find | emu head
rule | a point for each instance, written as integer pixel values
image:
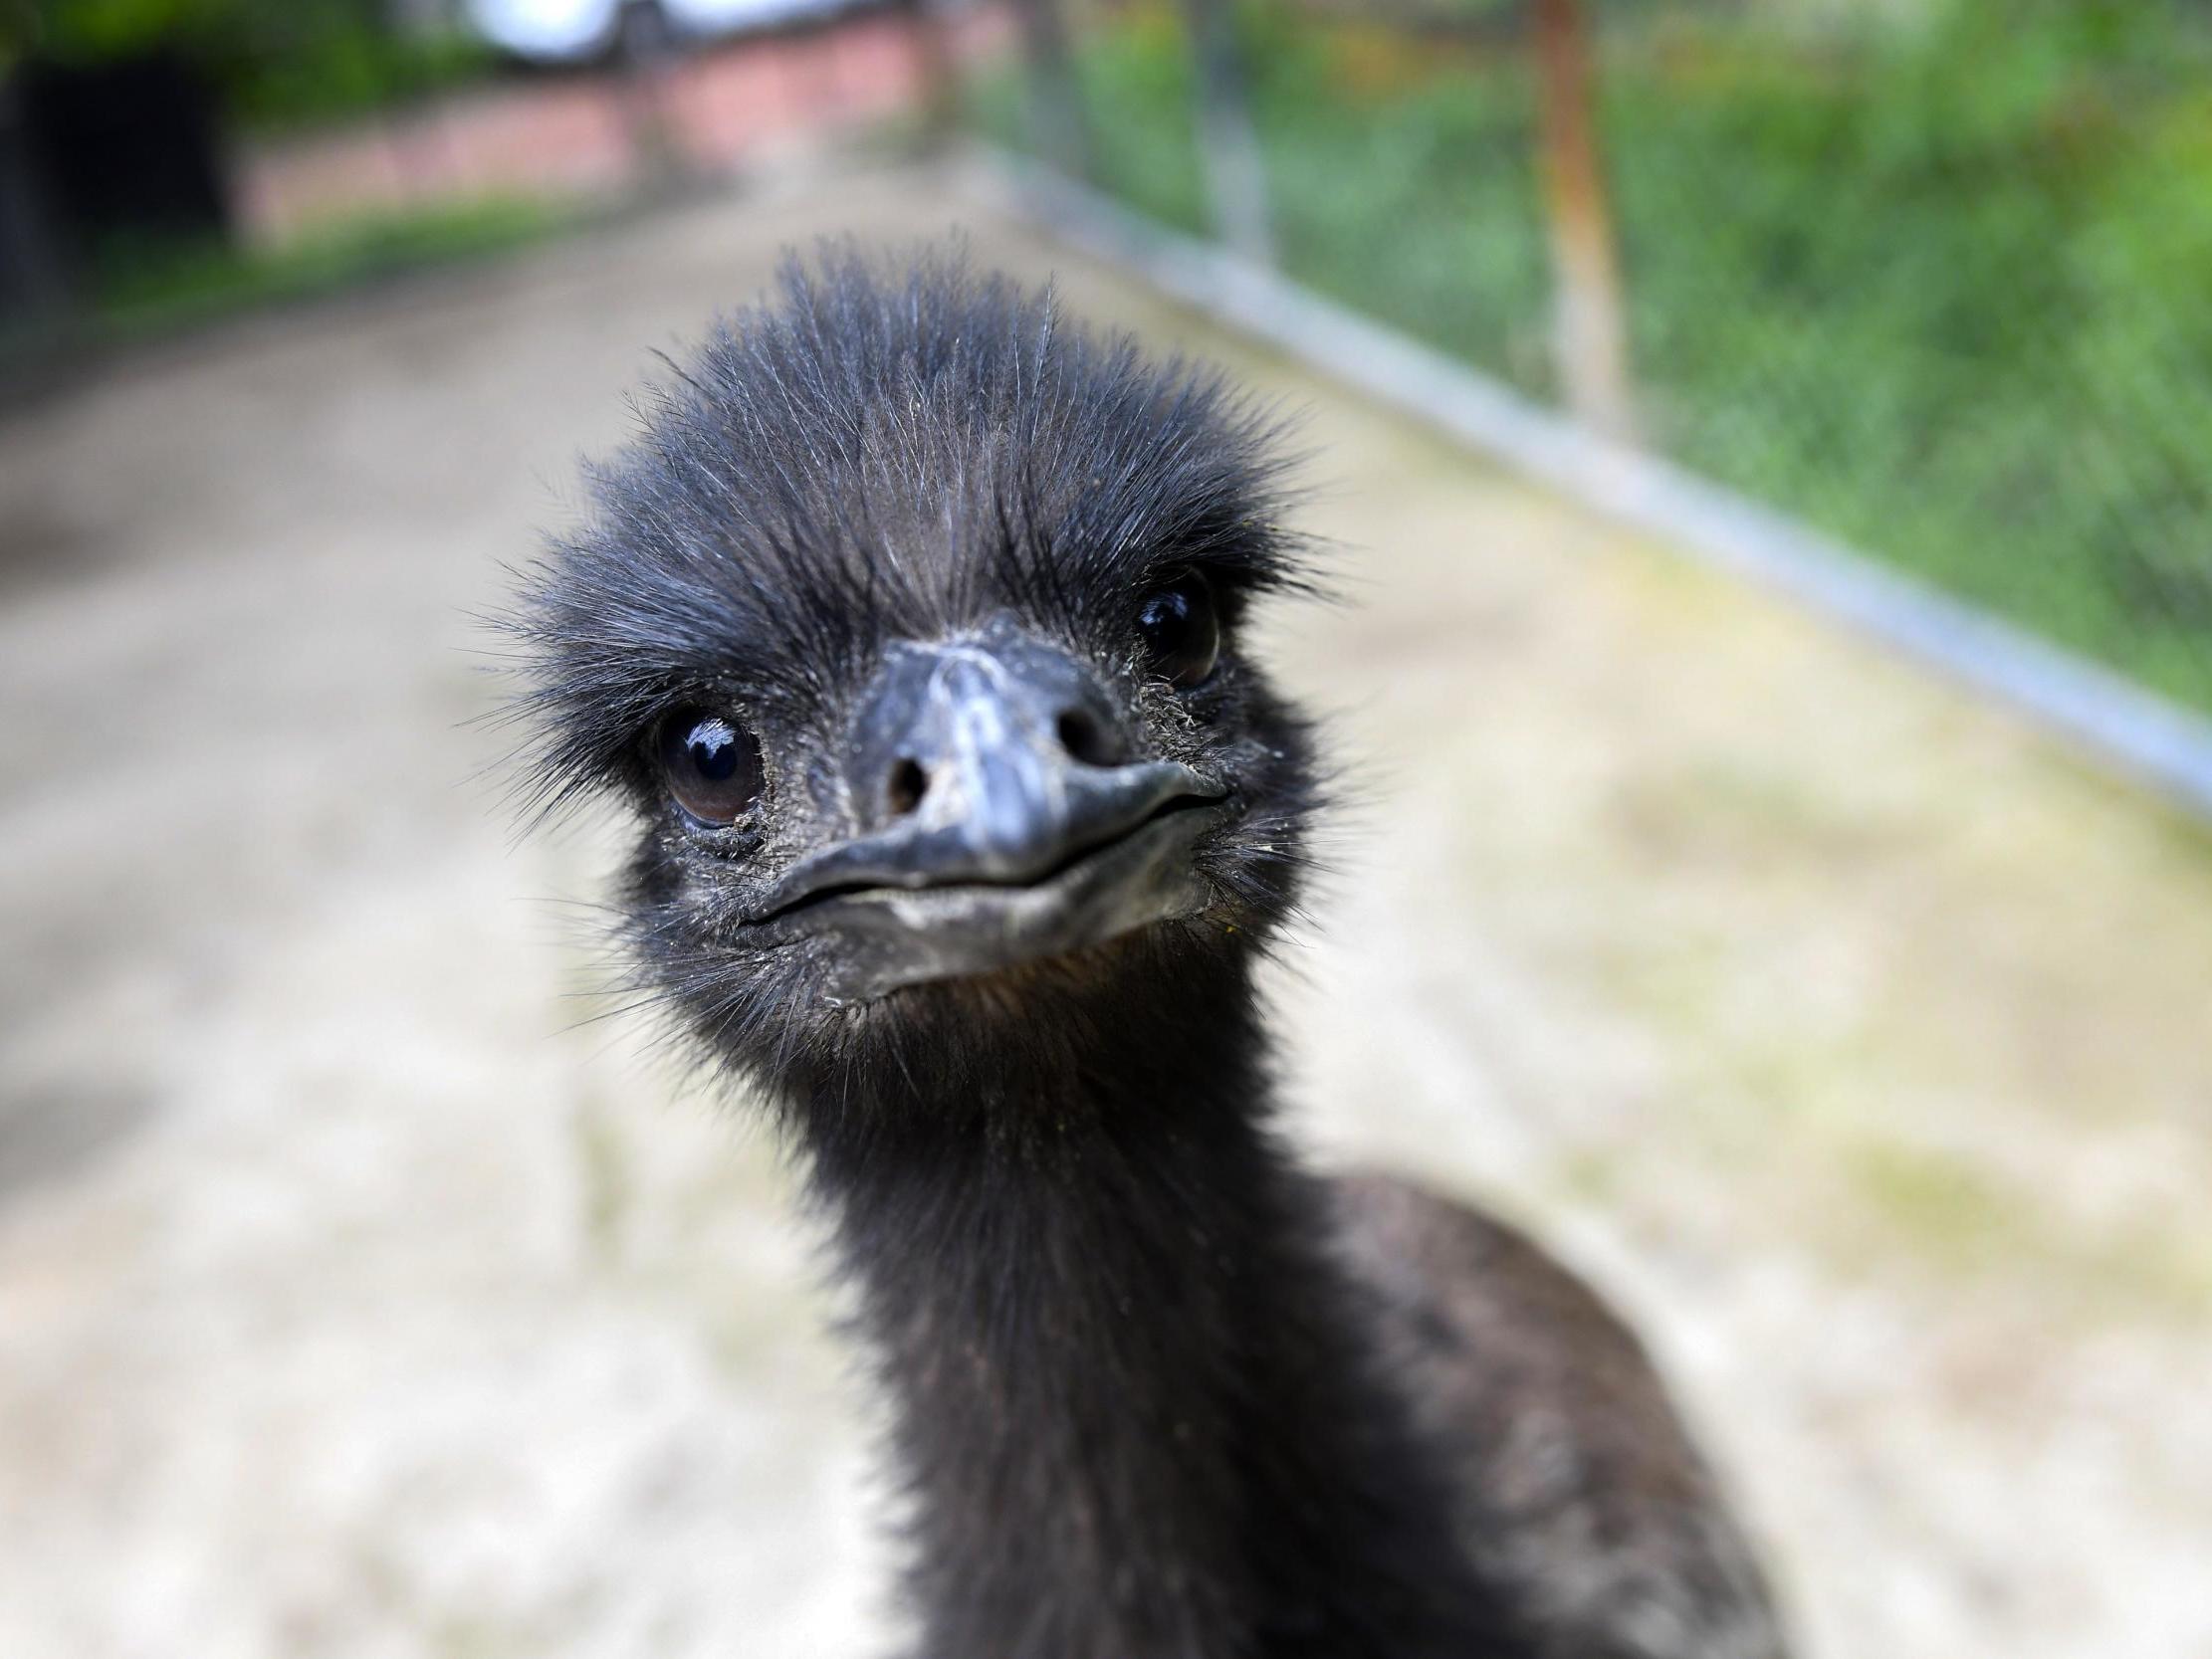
(911, 627)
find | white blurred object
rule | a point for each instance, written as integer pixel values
(568, 31)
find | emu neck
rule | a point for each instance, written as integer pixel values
(1133, 1412)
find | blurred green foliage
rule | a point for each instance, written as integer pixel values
(275, 62)
(1933, 277)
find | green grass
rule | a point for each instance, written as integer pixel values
(152, 289)
(144, 289)
(1944, 291)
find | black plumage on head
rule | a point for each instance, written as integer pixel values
(884, 452)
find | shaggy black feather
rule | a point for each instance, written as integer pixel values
(1132, 1408)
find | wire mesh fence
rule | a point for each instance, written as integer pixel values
(1932, 276)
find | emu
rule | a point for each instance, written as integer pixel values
(911, 627)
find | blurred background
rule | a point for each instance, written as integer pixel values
(364, 1291)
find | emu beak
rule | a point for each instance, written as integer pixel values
(1003, 819)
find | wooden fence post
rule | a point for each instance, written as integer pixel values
(1056, 120)
(1592, 339)
(643, 69)
(1228, 143)
(936, 74)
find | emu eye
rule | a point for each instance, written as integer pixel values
(1181, 629)
(713, 765)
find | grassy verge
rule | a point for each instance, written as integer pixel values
(144, 291)
(1938, 289)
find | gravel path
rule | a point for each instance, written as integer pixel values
(360, 1296)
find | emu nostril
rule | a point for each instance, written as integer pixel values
(1084, 738)
(909, 783)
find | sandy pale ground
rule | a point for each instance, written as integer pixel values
(357, 1300)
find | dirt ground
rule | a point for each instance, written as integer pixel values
(359, 1296)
